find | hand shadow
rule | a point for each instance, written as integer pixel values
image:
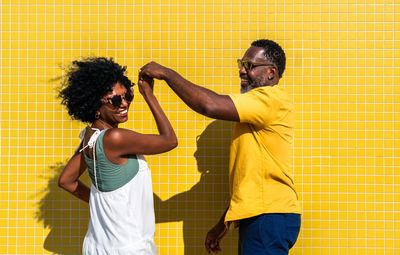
(65, 216)
(201, 207)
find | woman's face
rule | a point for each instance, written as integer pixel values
(113, 112)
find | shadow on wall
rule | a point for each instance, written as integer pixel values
(65, 216)
(201, 207)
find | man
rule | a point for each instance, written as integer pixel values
(264, 202)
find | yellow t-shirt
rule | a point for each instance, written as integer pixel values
(260, 155)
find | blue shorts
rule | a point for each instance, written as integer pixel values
(267, 234)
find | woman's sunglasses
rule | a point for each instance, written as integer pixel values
(116, 100)
(250, 65)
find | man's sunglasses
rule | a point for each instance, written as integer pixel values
(116, 100)
(250, 65)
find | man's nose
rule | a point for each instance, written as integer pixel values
(242, 70)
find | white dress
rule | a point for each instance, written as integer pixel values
(122, 221)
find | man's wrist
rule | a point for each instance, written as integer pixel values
(169, 75)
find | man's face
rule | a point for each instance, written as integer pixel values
(257, 76)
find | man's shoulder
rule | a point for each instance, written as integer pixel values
(271, 92)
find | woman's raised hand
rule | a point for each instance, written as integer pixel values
(145, 84)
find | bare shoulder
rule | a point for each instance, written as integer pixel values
(115, 136)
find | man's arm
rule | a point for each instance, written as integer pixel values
(215, 235)
(199, 99)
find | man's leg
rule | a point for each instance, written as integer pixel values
(268, 234)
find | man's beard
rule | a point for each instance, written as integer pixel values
(258, 82)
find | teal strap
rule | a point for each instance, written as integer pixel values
(106, 175)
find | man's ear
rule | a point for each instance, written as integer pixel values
(272, 72)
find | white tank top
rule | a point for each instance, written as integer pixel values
(122, 221)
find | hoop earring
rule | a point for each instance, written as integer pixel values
(97, 115)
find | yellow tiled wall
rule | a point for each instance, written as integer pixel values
(343, 72)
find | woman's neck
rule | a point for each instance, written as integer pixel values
(101, 124)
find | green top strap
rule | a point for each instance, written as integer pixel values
(110, 176)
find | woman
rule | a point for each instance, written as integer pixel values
(97, 91)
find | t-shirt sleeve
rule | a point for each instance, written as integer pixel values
(257, 107)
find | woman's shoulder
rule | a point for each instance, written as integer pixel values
(117, 135)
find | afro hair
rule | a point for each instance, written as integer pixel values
(86, 82)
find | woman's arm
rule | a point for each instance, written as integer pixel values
(118, 142)
(69, 178)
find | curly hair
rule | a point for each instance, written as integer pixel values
(86, 82)
(273, 52)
